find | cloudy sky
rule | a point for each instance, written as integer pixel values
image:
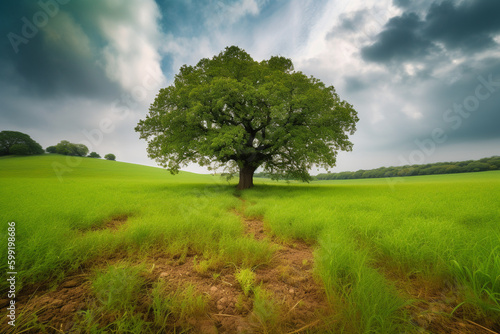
(424, 75)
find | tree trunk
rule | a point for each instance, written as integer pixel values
(246, 177)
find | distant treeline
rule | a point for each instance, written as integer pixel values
(18, 143)
(485, 164)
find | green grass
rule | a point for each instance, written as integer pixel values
(178, 307)
(54, 218)
(118, 287)
(246, 279)
(442, 228)
(436, 227)
(266, 311)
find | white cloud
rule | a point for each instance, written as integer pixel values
(133, 41)
(229, 14)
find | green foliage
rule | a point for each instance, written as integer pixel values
(238, 113)
(481, 165)
(19, 149)
(51, 149)
(110, 156)
(18, 143)
(94, 155)
(246, 279)
(66, 148)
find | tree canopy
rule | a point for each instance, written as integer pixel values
(51, 149)
(64, 147)
(94, 155)
(18, 143)
(235, 112)
(110, 156)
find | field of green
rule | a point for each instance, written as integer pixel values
(373, 239)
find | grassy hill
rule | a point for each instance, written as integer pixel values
(51, 165)
(414, 254)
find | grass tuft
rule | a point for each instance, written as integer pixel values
(246, 279)
(118, 287)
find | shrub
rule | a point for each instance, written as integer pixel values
(67, 148)
(94, 155)
(110, 156)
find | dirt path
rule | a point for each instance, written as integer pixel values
(289, 277)
(299, 302)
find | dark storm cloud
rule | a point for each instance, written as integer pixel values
(469, 108)
(465, 111)
(47, 51)
(468, 27)
(402, 3)
(401, 39)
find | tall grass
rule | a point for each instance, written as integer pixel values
(436, 227)
(55, 220)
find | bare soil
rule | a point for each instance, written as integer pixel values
(113, 224)
(289, 277)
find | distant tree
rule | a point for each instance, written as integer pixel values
(21, 142)
(242, 114)
(81, 150)
(19, 149)
(450, 169)
(51, 149)
(495, 161)
(110, 156)
(358, 174)
(485, 164)
(94, 155)
(66, 148)
(477, 166)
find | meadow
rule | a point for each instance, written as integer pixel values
(408, 255)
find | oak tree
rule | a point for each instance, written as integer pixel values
(18, 143)
(242, 114)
